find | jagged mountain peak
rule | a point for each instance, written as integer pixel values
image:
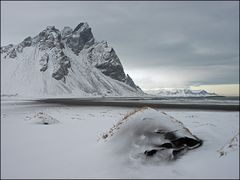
(66, 31)
(66, 61)
(50, 28)
(79, 38)
(83, 26)
(48, 31)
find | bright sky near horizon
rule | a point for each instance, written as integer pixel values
(160, 44)
(221, 89)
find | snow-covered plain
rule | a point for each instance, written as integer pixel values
(57, 141)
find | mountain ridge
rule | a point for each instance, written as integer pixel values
(180, 92)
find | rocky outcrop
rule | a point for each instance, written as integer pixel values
(25, 43)
(130, 82)
(48, 39)
(13, 53)
(6, 49)
(66, 32)
(9, 50)
(43, 62)
(61, 69)
(105, 59)
(81, 37)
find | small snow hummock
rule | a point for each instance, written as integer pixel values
(43, 118)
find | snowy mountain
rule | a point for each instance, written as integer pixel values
(66, 62)
(180, 92)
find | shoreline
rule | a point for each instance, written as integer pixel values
(134, 103)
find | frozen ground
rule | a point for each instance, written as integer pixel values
(57, 141)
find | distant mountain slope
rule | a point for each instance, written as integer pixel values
(180, 92)
(67, 62)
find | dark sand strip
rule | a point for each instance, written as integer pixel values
(132, 103)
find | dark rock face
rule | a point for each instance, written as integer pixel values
(44, 62)
(9, 50)
(80, 38)
(78, 27)
(48, 38)
(151, 152)
(66, 32)
(111, 66)
(51, 38)
(130, 82)
(25, 43)
(175, 145)
(62, 68)
(13, 53)
(106, 60)
(6, 49)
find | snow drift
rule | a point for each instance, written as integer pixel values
(147, 135)
(44, 118)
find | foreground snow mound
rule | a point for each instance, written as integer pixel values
(43, 118)
(147, 135)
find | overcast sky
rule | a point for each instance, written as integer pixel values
(160, 44)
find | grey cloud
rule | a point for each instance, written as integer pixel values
(186, 36)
